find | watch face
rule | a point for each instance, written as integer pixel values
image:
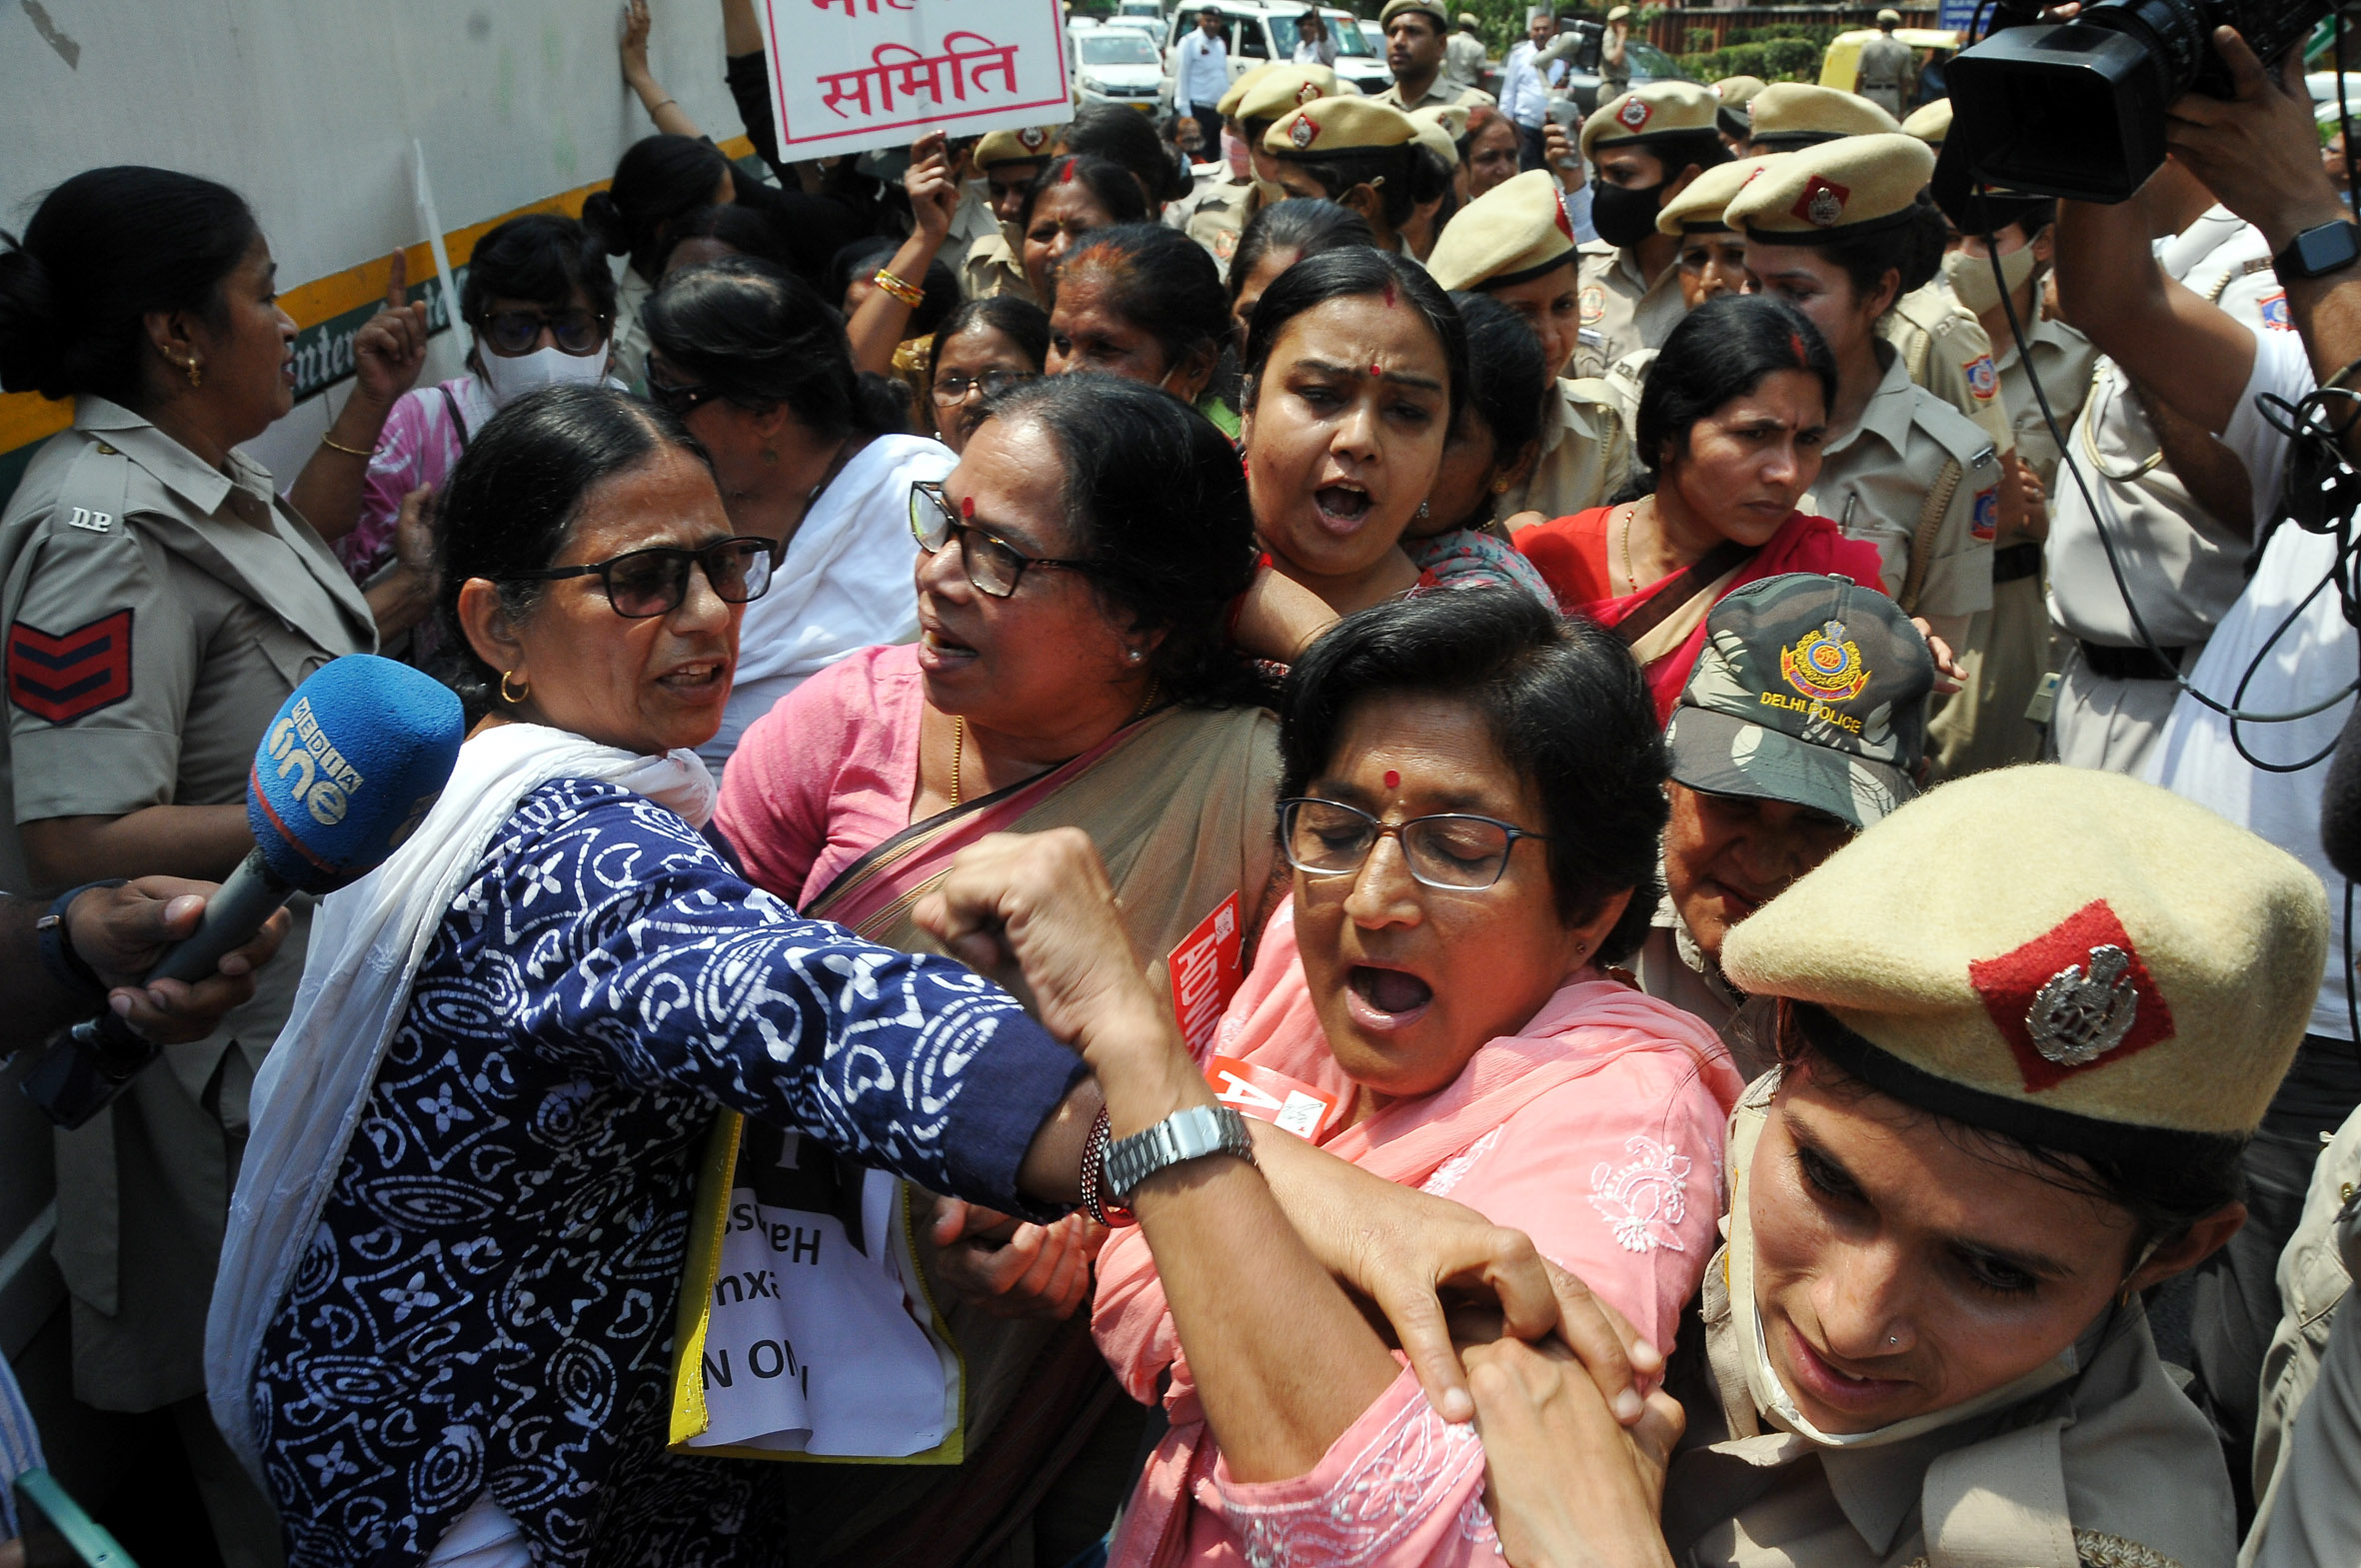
(2329, 247)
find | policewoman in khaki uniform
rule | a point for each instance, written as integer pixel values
(1840, 231)
(1361, 153)
(1516, 243)
(1010, 162)
(1645, 147)
(1711, 262)
(160, 603)
(1254, 102)
(2026, 1022)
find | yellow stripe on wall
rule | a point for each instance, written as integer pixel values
(27, 416)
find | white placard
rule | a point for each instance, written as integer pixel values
(851, 75)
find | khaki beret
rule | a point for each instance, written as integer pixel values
(1788, 115)
(1622, 13)
(1469, 21)
(1029, 145)
(1700, 208)
(1235, 94)
(1514, 230)
(1833, 191)
(1930, 124)
(1330, 127)
(1280, 90)
(1434, 8)
(2066, 955)
(1890, 14)
(1645, 113)
(1736, 92)
(1435, 133)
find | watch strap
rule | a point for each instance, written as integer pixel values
(2320, 250)
(66, 969)
(1195, 1133)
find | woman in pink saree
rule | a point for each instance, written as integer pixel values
(1431, 1006)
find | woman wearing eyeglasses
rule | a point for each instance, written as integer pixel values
(1073, 671)
(808, 454)
(1472, 794)
(982, 348)
(540, 301)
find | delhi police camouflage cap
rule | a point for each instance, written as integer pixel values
(2072, 958)
(1811, 689)
(1789, 115)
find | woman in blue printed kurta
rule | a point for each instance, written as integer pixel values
(470, 1336)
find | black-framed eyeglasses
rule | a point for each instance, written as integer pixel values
(644, 583)
(574, 330)
(1457, 851)
(951, 391)
(993, 566)
(677, 398)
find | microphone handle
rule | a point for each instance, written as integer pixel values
(79, 1074)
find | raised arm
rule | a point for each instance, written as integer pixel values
(877, 328)
(388, 353)
(2195, 355)
(662, 106)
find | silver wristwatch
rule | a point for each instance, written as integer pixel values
(1182, 1136)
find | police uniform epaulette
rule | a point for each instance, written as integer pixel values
(94, 497)
(1960, 436)
(1594, 248)
(1593, 400)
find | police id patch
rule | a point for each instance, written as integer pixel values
(1594, 299)
(66, 676)
(2275, 311)
(1982, 379)
(1985, 521)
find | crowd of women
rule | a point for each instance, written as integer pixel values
(1257, 926)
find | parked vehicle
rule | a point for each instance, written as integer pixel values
(1841, 67)
(1256, 34)
(1649, 64)
(1151, 28)
(1115, 65)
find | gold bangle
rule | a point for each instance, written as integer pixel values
(334, 445)
(908, 293)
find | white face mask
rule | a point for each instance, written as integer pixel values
(510, 379)
(1970, 277)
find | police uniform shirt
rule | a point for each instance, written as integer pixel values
(1443, 92)
(993, 266)
(630, 342)
(1948, 352)
(1626, 310)
(2110, 1465)
(1672, 968)
(1884, 72)
(1219, 217)
(1586, 454)
(158, 611)
(1626, 379)
(972, 218)
(1919, 480)
(2064, 360)
(1463, 59)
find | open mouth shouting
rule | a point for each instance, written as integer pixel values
(1343, 506)
(1383, 999)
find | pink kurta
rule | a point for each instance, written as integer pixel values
(1598, 1132)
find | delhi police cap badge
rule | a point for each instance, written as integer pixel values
(1822, 201)
(1303, 132)
(1822, 664)
(2082, 1013)
(1635, 113)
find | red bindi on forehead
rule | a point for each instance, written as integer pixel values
(1392, 779)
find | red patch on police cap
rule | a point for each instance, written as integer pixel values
(1307, 93)
(65, 676)
(1822, 201)
(1635, 113)
(1304, 131)
(1033, 138)
(2072, 1000)
(1566, 225)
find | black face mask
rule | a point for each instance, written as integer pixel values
(1624, 215)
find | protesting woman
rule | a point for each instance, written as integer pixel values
(1729, 433)
(2010, 1106)
(984, 348)
(1073, 671)
(1474, 792)
(809, 457)
(1143, 302)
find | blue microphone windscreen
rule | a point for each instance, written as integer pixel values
(351, 764)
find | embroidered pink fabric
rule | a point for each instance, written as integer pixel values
(1598, 1132)
(419, 445)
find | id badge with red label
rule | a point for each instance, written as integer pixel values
(1207, 971)
(1288, 1103)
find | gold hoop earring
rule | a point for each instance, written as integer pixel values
(196, 373)
(514, 698)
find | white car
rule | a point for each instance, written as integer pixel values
(1151, 28)
(1117, 65)
(1260, 33)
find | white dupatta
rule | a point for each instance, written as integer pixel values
(367, 944)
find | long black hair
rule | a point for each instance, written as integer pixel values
(1566, 707)
(1913, 248)
(543, 257)
(1306, 225)
(749, 231)
(759, 338)
(513, 494)
(1157, 504)
(1159, 280)
(1723, 350)
(1349, 274)
(1506, 374)
(103, 250)
(658, 178)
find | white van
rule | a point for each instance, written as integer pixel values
(1117, 65)
(1256, 34)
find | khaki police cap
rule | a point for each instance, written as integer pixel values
(1622, 13)
(1331, 127)
(1930, 124)
(1239, 85)
(1698, 209)
(1469, 21)
(1029, 145)
(1736, 92)
(1646, 113)
(1281, 90)
(1434, 8)
(1833, 191)
(2066, 955)
(1436, 132)
(1514, 230)
(1788, 115)
(1890, 14)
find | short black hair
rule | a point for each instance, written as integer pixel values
(1913, 248)
(658, 178)
(1012, 315)
(750, 231)
(1304, 224)
(543, 257)
(1566, 707)
(1161, 281)
(1125, 136)
(1723, 350)
(1115, 185)
(761, 336)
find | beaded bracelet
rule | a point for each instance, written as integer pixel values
(909, 294)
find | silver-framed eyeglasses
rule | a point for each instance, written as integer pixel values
(1457, 851)
(993, 566)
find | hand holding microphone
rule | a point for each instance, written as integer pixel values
(347, 768)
